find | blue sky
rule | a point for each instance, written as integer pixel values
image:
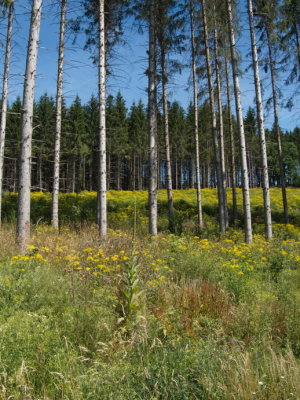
(128, 66)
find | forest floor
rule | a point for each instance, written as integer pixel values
(177, 317)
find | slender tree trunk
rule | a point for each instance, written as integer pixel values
(15, 176)
(23, 222)
(196, 117)
(176, 173)
(73, 175)
(118, 174)
(59, 90)
(239, 111)
(167, 141)
(102, 201)
(181, 174)
(277, 128)
(232, 146)
(193, 171)
(221, 129)
(139, 173)
(222, 218)
(152, 123)
(4, 98)
(90, 175)
(40, 172)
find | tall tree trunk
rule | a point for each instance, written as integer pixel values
(176, 173)
(239, 112)
(167, 141)
(118, 173)
(139, 174)
(23, 222)
(40, 172)
(152, 123)
(276, 127)
(73, 174)
(222, 218)
(232, 146)
(181, 174)
(90, 175)
(196, 117)
(4, 98)
(102, 201)
(221, 128)
(59, 90)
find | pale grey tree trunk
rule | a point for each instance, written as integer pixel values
(23, 220)
(196, 118)
(277, 127)
(59, 94)
(239, 112)
(152, 123)
(102, 201)
(4, 98)
(167, 140)
(222, 219)
(232, 146)
(40, 172)
(261, 127)
(221, 128)
(73, 175)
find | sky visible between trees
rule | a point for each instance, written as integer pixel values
(128, 65)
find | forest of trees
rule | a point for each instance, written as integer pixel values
(50, 146)
(127, 143)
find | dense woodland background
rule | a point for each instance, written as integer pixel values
(127, 143)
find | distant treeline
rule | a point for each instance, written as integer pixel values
(127, 147)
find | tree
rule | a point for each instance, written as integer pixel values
(220, 185)
(232, 143)
(261, 127)
(267, 11)
(43, 142)
(196, 120)
(5, 95)
(59, 89)
(239, 112)
(23, 222)
(167, 37)
(152, 121)
(137, 131)
(102, 202)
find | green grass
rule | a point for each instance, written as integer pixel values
(172, 318)
(177, 317)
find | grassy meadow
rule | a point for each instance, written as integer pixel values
(178, 317)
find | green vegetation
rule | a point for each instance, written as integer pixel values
(81, 207)
(170, 318)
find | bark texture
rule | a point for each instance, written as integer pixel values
(23, 222)
(222, 219)
(59, 92)
(102, 201)
(239, 112)
(261, 127)
(232, 146)
(167, 142)
(152, 110)
(196, 118)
